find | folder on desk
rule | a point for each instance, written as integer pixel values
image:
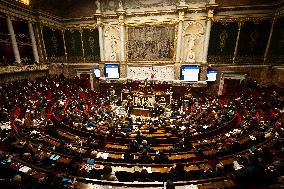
(102, 155)
(24, 169)
(54, 157)
(90, 161)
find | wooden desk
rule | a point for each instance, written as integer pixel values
(141, 112)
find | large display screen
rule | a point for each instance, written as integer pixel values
(97, 72)
(189, 73)
(111, 71)
(211, 75)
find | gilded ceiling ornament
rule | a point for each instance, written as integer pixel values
(223, 38)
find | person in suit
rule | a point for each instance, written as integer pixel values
(161, 157)
(144, 176)
(145, 158)
(107, 174)
(177, 173)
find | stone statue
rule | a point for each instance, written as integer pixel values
(98, 4)
(120, 5)
(190, 55)
(182, 3)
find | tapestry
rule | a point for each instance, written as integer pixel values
(6, 52)
(73, 46)
(91, 45)
(150, 43)
(24, 42)
(253, 41)
(276, 50)
(54, 44)
(222, 42)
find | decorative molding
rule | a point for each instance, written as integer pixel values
(27, 68)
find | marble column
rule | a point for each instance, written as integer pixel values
(14, 41)
(101, 42)
(122, 42)
(179, 40)
(34, 46)
(206, 40)
(121, 21)
(39, 43)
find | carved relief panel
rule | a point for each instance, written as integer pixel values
(112, 43)
(151, 72)
(193, 37)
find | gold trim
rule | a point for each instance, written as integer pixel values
(82, 44)
(240, 19)
(237, 41)
(269, 41)
(65, 51)
(80, 25)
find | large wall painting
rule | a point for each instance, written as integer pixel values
(73, 46)
(151, 42)
(91, 44)
(54, 44)
(24, 42)
(276, 50)
(222, 43)
(6, 52)
(253, 41)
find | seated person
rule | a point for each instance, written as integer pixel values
(91, 123)
(177, 173)
(161, 157)
(145, 158)
(144, 176)
(128, 157)
(107, 174)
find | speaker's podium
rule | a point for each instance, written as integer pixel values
(141, 112)
(142, 104)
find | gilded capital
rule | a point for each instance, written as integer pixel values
(121, 19)
(210, 13)
(181, 16)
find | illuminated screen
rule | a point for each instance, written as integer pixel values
(189, 73)
(97, 72)
(211, 75)
(111, 71)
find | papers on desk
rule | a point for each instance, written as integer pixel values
(90, 161)
(237, 166)
(191, 186)
(149, 169)
(54, 157)
(102, 155)
(24, 169)
(5, 126)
